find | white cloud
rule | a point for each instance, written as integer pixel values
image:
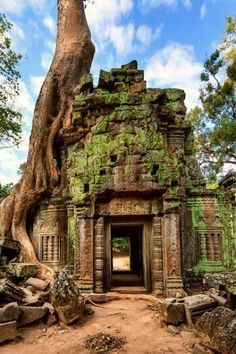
(12, 6)
(50, 24)
(203, 10)
(104, 19)
(46, 56)
(187, 3)
(122, 38)
(17, 7)
(36, 84)
(146, 35)
(176, 66)
(147, 5)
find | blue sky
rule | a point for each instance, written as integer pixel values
(169, 38)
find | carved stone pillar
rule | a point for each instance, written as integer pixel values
(157, 256)
(172, 248)
(99, 251)
(70, 236)
(84, 250)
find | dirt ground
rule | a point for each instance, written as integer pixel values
(132, 318)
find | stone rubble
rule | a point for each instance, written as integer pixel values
(66, 298)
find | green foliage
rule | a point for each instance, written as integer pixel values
(10, 120)
(5, 190)
(215, 121)
(121, 243)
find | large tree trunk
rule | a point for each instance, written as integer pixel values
(73, 57)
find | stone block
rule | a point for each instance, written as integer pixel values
(7, 331)
(219, 327)
(135, 87)
(200, 349)
(196, 305)
(171, 312)
(9, 249)
(66, 298)
(10, 292)
(30, 314)
(9, 312)
(38, 284)
(21, 270)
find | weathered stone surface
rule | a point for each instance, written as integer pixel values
(66, 298)
(30, 314)
(21, 270)
(221, 281)
(196, 305)
(220, 328)
(220, 299)
(9, 249)
(37, 299)
(9, 312)
(37, 283)
(200, 349)
(171, 312)
(7, 331)
(10, 292)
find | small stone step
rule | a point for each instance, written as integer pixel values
(7, 331)
(30, 314)
(38, 284)
(9, 312)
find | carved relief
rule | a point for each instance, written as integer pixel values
(50, 248)
(124, 206)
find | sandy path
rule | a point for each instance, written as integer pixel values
(130, 318)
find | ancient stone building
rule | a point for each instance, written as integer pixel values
(128, 171)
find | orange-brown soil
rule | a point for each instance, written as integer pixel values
(131, 318)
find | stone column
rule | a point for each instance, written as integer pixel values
(99, 251)
(84, 250)
(157, 256)
(172, 248)
(70, 236)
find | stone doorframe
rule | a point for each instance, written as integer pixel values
(146, 249)
(152, 251)
(163, 249)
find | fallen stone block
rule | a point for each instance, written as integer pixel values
(200, 349)
(220, 299)
(9, 312)
(7, 331)
(30, 314)
(38, 284)
(9, 249)
(171, 312)
(21, 270)
(219, 327)
(196, 305)
(66, 298)
(10, 292)
(37, 299)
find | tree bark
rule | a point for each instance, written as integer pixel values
(73, 57)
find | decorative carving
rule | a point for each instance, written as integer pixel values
(50, 248)
(125, 206)
(99, 250)
(157, 255)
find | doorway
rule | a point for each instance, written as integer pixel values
(128, 256)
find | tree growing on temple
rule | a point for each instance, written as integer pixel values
(215, 121)
(73, 57)
(10, 119)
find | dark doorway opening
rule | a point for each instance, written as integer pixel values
(127, 255)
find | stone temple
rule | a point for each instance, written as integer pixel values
(128, 170)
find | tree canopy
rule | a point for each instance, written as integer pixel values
(215, 120)
(10, 119)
